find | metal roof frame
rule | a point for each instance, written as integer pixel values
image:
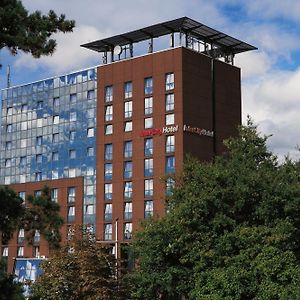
(190, 27)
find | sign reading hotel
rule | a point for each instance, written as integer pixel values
(159, 131)
(198, 130)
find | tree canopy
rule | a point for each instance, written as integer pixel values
(80, 270)
(30, 32)
(41, 214)
(232, 231)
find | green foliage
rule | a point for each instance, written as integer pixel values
(82, 270)
(30, 33)
(232, 231)
(9, 289)
(43, 215)
(11, 211)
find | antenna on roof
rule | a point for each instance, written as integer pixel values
(8, 76)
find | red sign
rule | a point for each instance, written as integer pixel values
(159, 131)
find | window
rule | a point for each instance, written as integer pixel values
(128, 149)
(108, 212)
(170, 143)
(22, 195)
(128, 109)
(9, 111)
(9, 128)
(39, 140)
(108, 152)
(107, 232)
(148, 192)
(73, 98)
(91, 113)
(148, 86)
(4, 251)
(148, 106)
(108, 171)
(72, 135)
(20, 251)
(39, 104)
(108, 191)
(8, 163)
(148, 209)
(108, 113)
(23, 125)
(24, 107)
(37, 193)
(170, 119)
(89, 209)
(54, 174)
(169, 81)
(38, 158)
(23, 160)
(108, 93)
(71, 214)
(55, 156)
(8, 145)
(38, 176)
(73, 116)
(39, 122)
(72, 153)
(91, 94)
(24, 143)
(148, 171)
(148, 147)
(128, 231)
(170, 184)
(108, 129)
(128, 211)
(36, 251)
(128, 190)
(37, 236)
(90, 132)
(55, 119)
(72, 172)
(128, 90)
(90, 151)
(55, 137)
(128, 126)
(148, 123)
(128, 169)
(170, 164)
(21, 236)
(54, 194)
(56, 102)
(71, 194)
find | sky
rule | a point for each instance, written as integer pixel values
(270, 75)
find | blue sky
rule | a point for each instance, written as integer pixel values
(270, 76)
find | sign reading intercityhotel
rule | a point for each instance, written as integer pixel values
(159, 131)
(198, 130)
(173, 129)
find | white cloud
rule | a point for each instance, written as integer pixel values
(68, 55)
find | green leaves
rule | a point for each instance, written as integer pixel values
(232, 231)
(31, 33)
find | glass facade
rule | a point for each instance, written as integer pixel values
(45, 125)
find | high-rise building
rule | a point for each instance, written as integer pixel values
(106, 139)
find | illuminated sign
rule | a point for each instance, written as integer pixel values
(159, 131)
(198, 130)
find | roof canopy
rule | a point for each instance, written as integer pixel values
(185, 25)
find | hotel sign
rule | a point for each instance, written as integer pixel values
(159, 131)
(198, 130)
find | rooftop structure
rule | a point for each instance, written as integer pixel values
(192, 34)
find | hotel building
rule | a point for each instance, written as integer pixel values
(105, 139)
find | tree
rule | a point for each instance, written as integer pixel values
(232, 231)
(30, 33)
(9, 289)
(80, 270)
(42, 214)
(11, 211)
